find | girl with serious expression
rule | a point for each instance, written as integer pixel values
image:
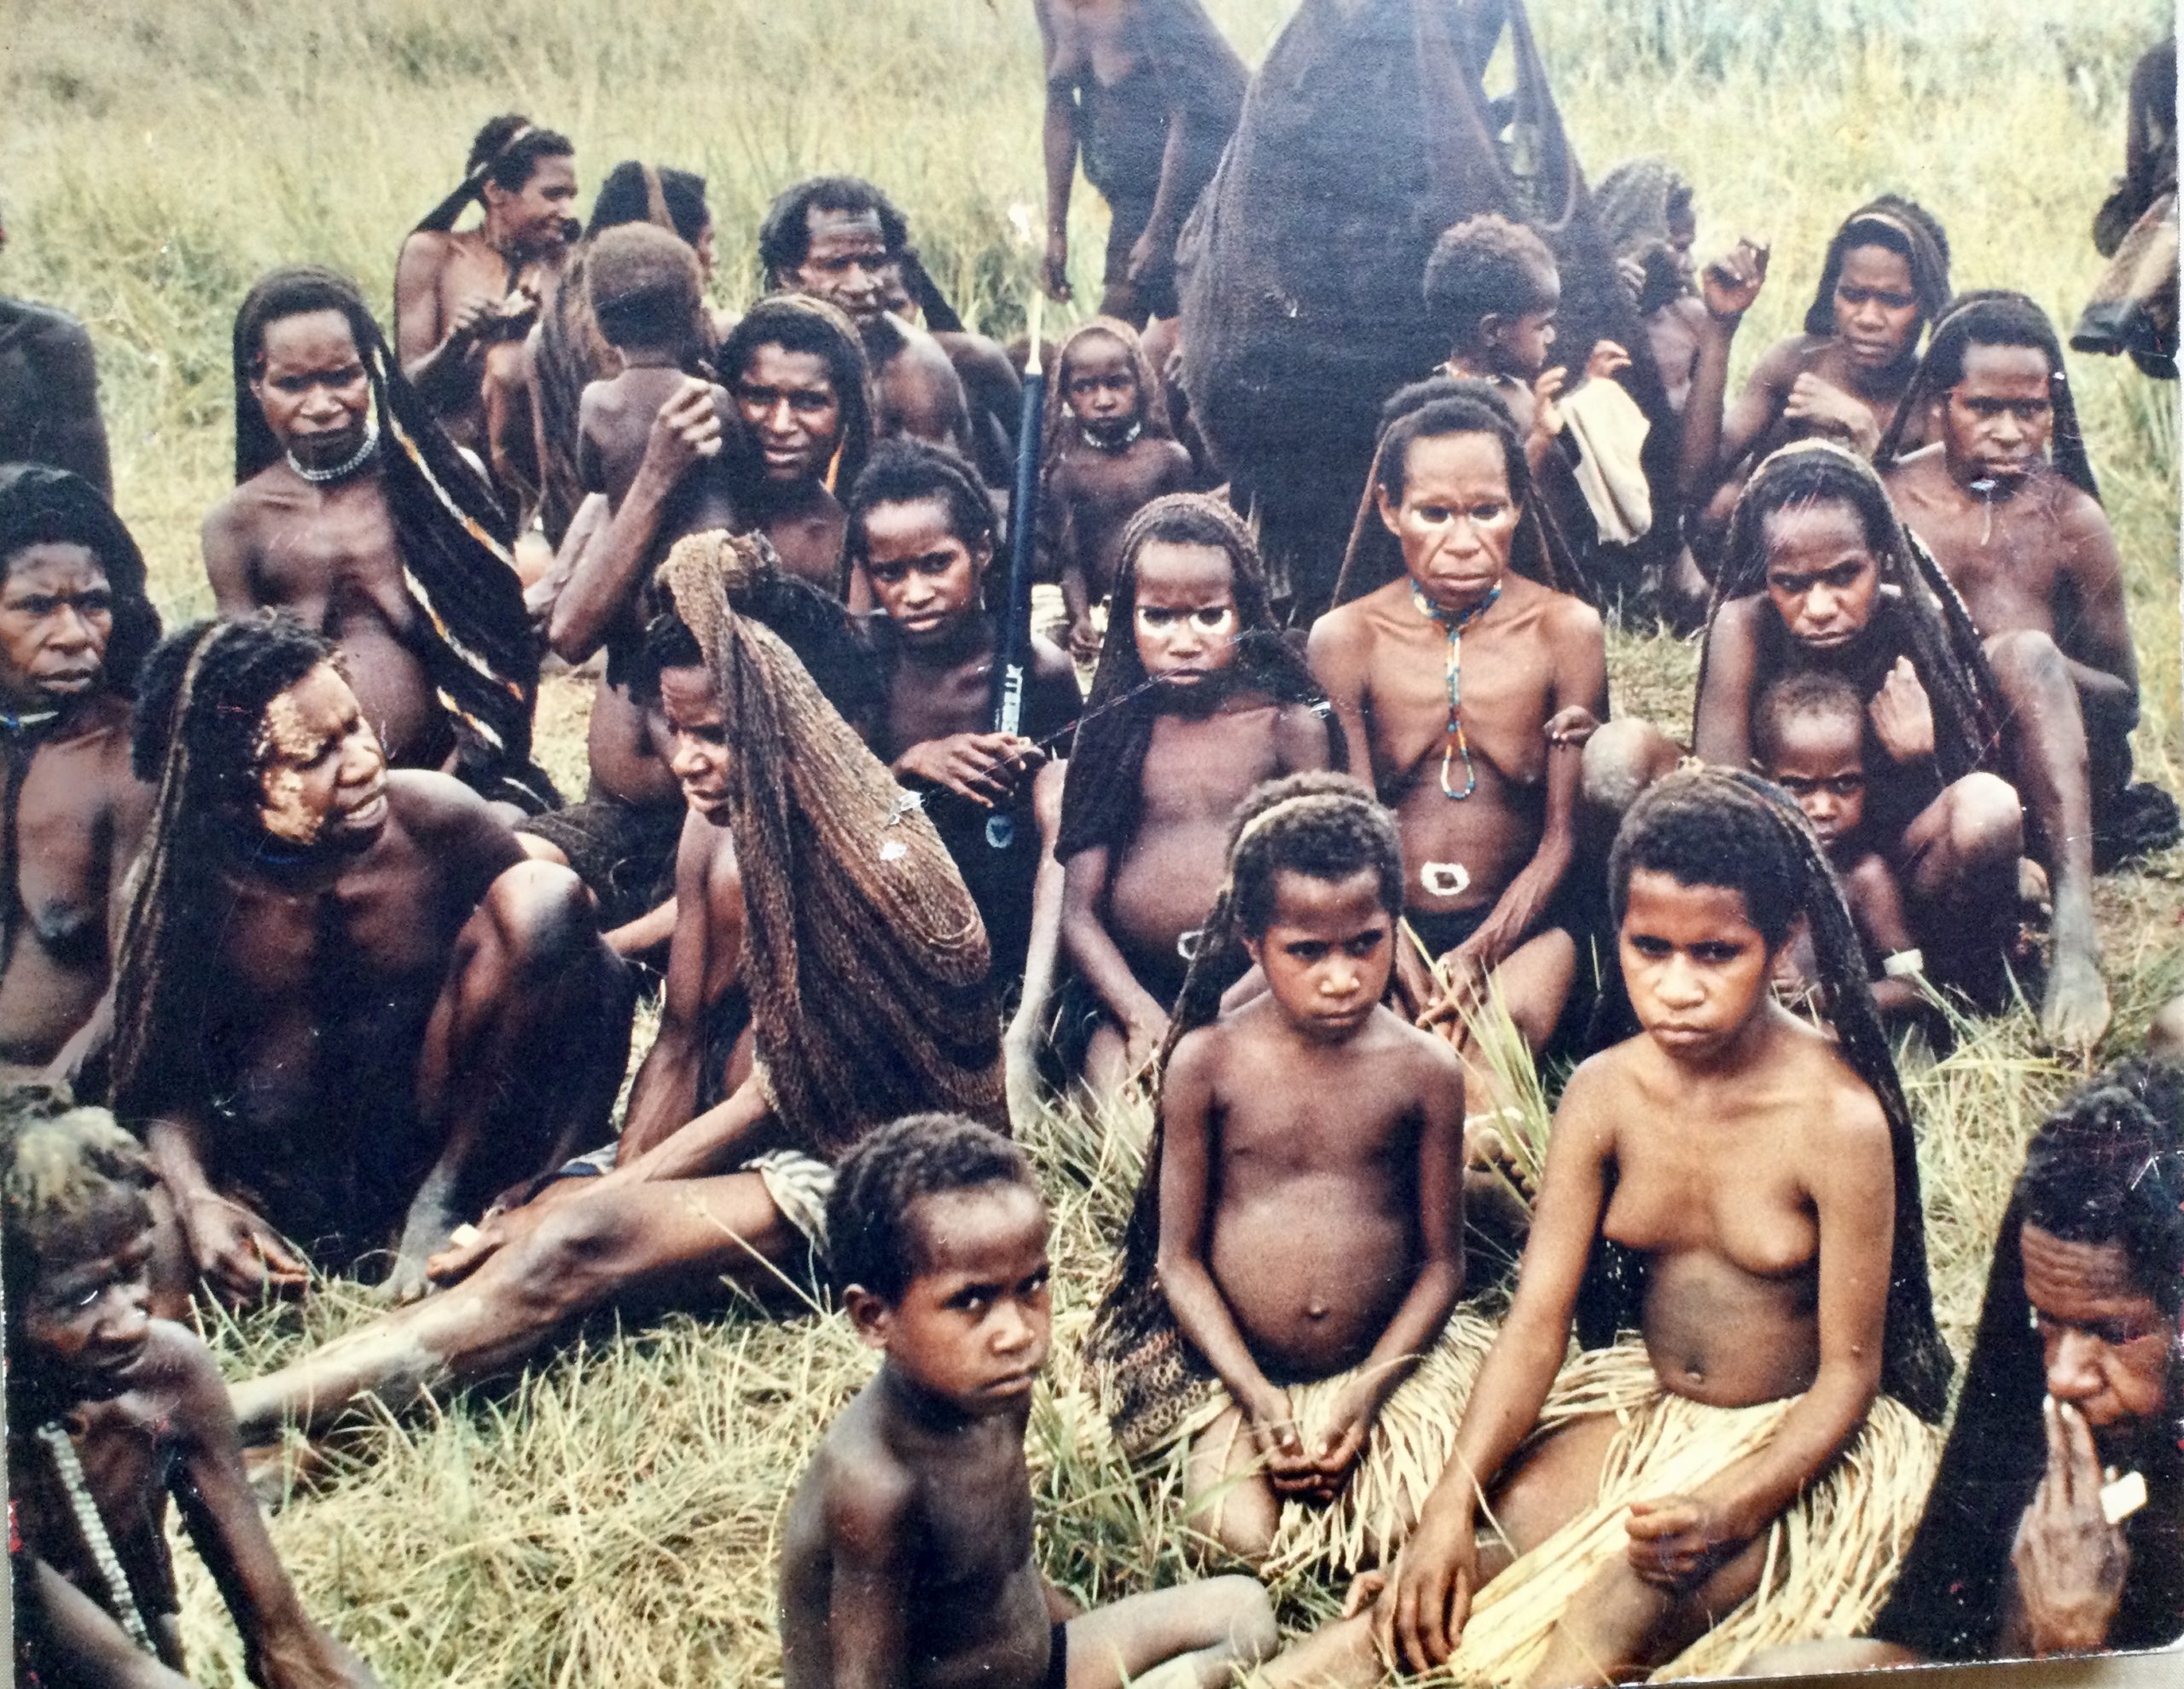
(924, 576)
(1695, 966)
(1185, 623)
(1822, 577)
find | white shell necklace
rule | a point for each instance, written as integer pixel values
(348, 465)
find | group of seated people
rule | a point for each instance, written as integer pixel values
(291, 898)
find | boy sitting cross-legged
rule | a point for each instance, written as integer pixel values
(908, 1555)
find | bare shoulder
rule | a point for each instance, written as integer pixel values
(179, 1371)
(1846, 1118)
(1569, 622)
(235, 518)
(867, 1496)
(2079, 516)
(1423, 1058)
(1738, 619)
(434, 808)
(1782, 363)
(1343, 633)
(1199, 1053)
(425, 250)
(1049, 662)
(1598, 1093)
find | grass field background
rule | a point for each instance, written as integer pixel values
(610, 1519)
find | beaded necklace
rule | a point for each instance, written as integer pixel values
(1454, 744)
(347, 467)
(121, 1600)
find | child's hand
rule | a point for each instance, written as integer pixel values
(1823, 405)
(1437, 1574)
(1673, 1539)
(1904, 715)
(1141, 1041)
(1570, 726)
(1730, 284)
(237, 1253)
(1547, 414)
(1348, 1425)
(1083, 641)
(1290, 1471)
(1608, 359)
(983, 766)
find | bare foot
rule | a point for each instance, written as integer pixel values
(2074, 1012)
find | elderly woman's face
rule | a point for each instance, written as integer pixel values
(2105, 1340)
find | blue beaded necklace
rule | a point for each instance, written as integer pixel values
(1454, 744)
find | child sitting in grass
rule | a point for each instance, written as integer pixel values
(907, 1559)
(1198, 698)
(110, 1412)
(1109, 452)
(1809, 737)
(1304, 1196)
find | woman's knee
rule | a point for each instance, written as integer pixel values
(2028, 664)
(1240, 1615)
(1986, 820)
(542, 917)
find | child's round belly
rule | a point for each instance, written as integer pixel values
(1311, 1282)
(1165, 885)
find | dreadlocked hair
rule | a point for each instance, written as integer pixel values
(61, 1168)
(1637, 201)
(867, 965)
(2105, 1167)
(872, 1226)
(1103, 793)
(1059, 425)
(1325, 826)
(201, 710)
(1729, 828)
(646, 293)
(1487, 266)
(1905, 228)
(1434, 409)
(455, 541)
(1924, 610)
(571, 353)
(1995, 316)
(506, 153)
(797, 323)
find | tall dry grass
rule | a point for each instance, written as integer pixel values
(610, 1517)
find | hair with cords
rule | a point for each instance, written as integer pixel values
(1995, 316)
(2105, 1167)
(1103, 793)
(1909, 230)
(62, 1168)
(1922, 609)
(1728, 828)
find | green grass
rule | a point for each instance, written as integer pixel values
(610, 1518)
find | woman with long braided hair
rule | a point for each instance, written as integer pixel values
(1970, 764)
(1743, 1466)
(1465, 682)
(1199, 696)
(2006, 499)
(866, 969)
(348, 1010)
(2056, 1521)
(407, 566)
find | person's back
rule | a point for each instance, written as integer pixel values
(615, 421)
(49, 393)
